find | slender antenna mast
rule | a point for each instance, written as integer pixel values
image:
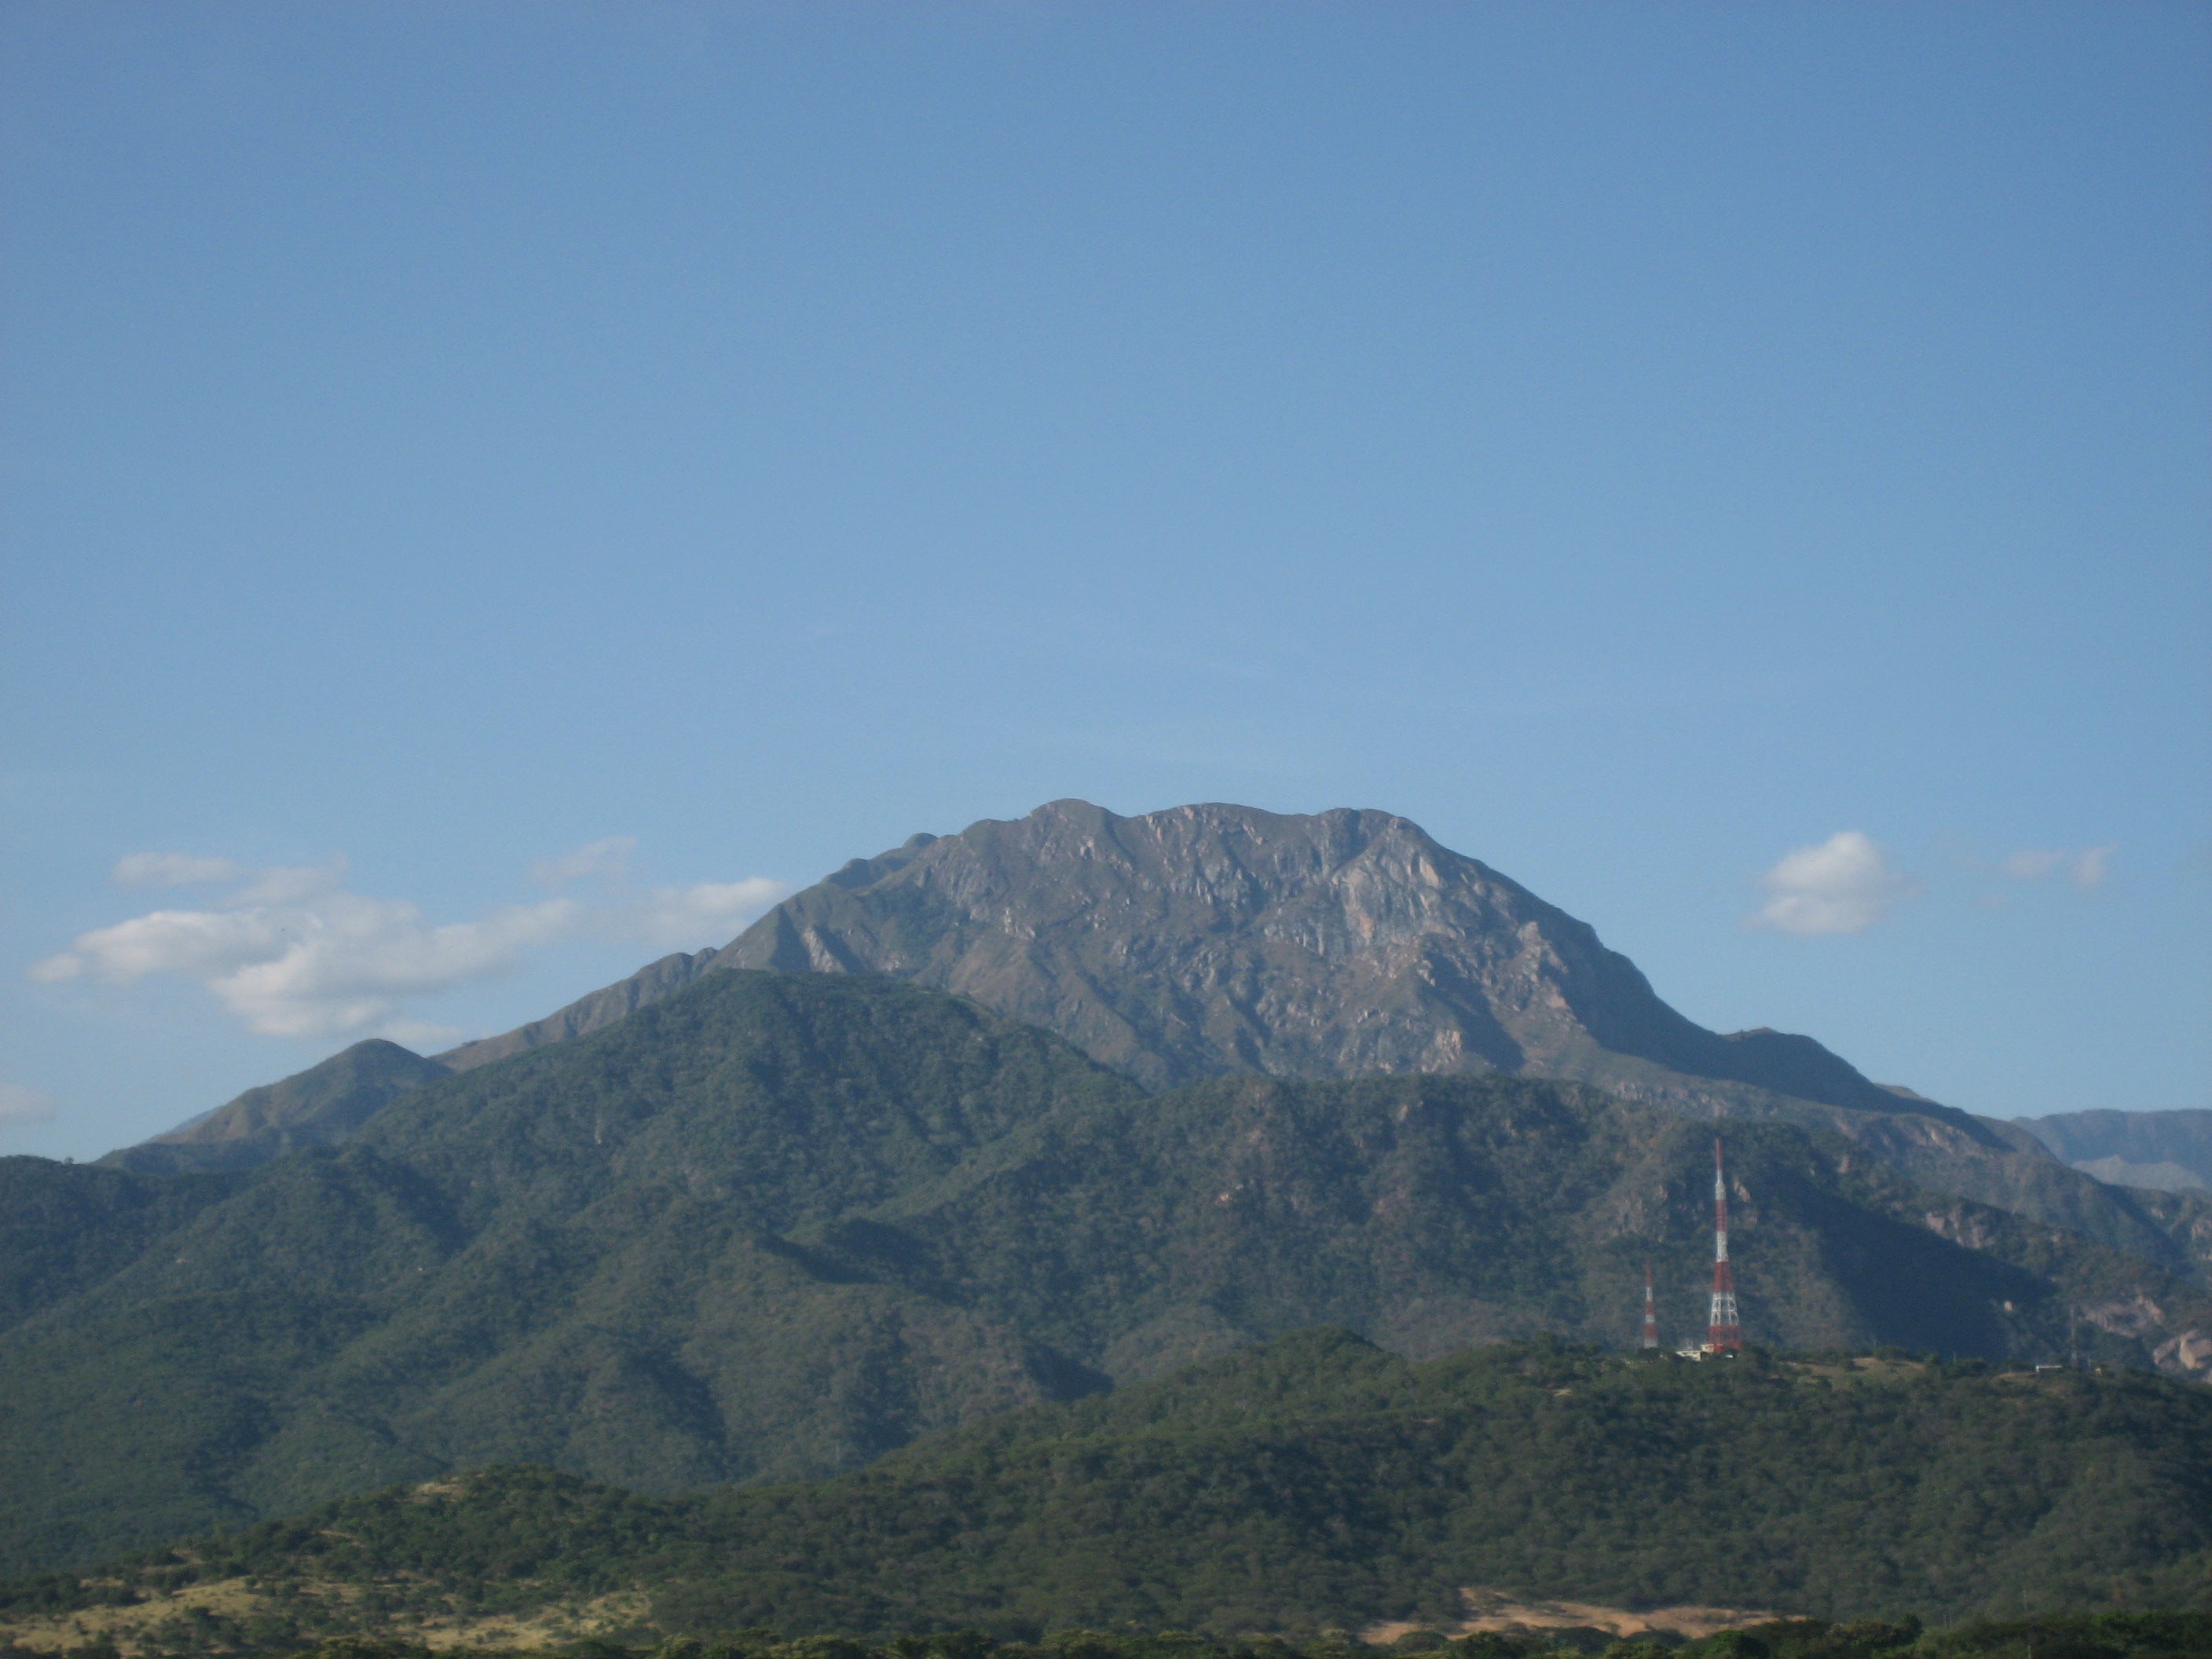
(1722, 1333)
(1650, 1310)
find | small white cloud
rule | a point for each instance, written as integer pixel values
(170, 869)
(294, 952)
(707, 913)
(22, 1105)
(194, 943)
(604, 860)
(2088, 868)
(2030, 863)
(311, 961)
(1845, 885)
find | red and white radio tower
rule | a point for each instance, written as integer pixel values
(1650, 1312)
(1722, 1333)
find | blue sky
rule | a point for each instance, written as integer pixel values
(1741, 470)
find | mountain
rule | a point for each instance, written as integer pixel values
(1313, 1482)
(313, 1107)
(778, 1225)
(1214, 940)
(2170, 1151)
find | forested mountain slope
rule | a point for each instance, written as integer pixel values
(779, 1225)
(1313, 1482)
(581, 1257)
(65, 1227)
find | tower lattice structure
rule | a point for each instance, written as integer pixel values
(1723, 1333)
(1650, 1309)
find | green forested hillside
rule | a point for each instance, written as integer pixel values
(579, 1257)
(65, 1228)
(1311, 1483)
(777, 1225)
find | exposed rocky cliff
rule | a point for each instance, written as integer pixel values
(1204, 941)
(1209, 940)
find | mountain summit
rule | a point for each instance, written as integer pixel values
(1209, 940)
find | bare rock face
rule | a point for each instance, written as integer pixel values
(1207, 940)
(2188, 1354)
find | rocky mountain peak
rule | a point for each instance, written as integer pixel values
(1214, 939)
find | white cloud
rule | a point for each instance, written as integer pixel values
(198, 944)
(22, 1105)
(170, 869)
(296, 958)
(2085, 867)
(1845, 885)
(606, 860)
(349, 961)
(708, 913)
(294, 952)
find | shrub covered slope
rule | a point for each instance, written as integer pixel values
(777, 1225)
(1318, 1482)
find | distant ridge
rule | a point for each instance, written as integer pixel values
(2171, 1151)
(314, 1108)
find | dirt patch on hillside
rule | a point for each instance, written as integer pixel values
(1496, 1610)
(542, 1627)
(128, 1625)
(134, 1627)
